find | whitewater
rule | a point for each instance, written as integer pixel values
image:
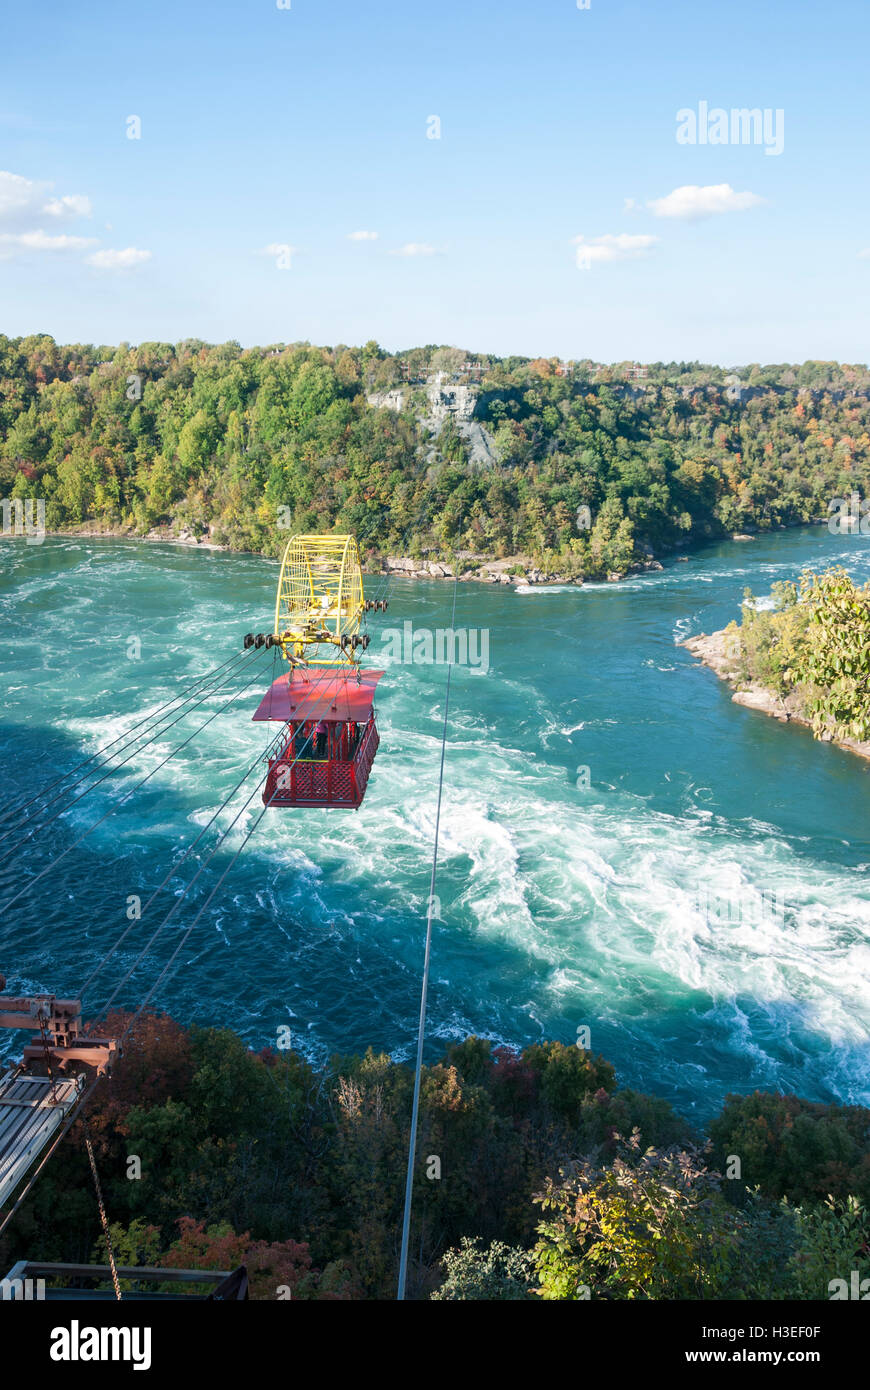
(622, 848)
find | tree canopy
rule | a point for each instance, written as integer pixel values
(593, 470)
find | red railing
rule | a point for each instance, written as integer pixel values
(322, 782)
(365, 756)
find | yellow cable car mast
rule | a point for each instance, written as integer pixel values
(321, 601)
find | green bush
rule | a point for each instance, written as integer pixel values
(834, 1244)
(799, 1149)
(814, 646)
(495, 1272)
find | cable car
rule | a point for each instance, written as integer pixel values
(325, 700)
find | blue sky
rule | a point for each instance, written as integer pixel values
(267, 128)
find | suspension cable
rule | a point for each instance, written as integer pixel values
(174, 868)
(387, 586)
(421, 1029)
(34, 825)
(162, 763)
(149, 996)
(104, 1220)
(16, 807)
(177, 904)
(147, 947)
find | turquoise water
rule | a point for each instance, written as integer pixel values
(561, 905)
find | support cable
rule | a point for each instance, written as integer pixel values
(386, 586)
(34, 825)
(17, 807)
(421, 1030)
(174, 869)
(104, 1221)
(178, 863)
(204, 865)
(164, 972)
(162, 763)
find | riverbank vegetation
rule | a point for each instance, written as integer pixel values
(538, 1177)
(813, 650)
(590, 469)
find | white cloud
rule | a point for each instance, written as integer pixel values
(21, 200)
(70, 205)
(24, 202)
(415, 248)
(362, 236)
(614, 246)
(119, 260)
(41, 241)
(692, 201)
(865, 254)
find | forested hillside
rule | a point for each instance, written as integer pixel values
(551, 1181)
(251, 443)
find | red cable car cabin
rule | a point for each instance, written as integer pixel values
(331, 737)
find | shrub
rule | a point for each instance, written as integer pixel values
(495, 1272)
(649, 1225)
(800, 1149)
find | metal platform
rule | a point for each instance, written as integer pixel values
(26, 1281)
(32, 1109)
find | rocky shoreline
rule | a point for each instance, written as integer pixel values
(720, 651)
(514, 570)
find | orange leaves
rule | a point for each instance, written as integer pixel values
(541, 367)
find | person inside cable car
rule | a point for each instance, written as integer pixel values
(321, 737)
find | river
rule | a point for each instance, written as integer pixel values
(622, 848)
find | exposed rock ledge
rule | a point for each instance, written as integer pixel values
(483, 570)
(718, 651)
(515, 569)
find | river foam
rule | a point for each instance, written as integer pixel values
(697, 897)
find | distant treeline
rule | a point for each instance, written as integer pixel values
(596, 467)
(537, 1176)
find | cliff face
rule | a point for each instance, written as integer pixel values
(721, 652)
(446, 396)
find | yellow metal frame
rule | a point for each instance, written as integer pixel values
(320, 598)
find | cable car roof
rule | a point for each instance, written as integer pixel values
(333, 698)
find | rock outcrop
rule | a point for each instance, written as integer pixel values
(482, 570)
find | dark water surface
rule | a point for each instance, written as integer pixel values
(702, 905)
